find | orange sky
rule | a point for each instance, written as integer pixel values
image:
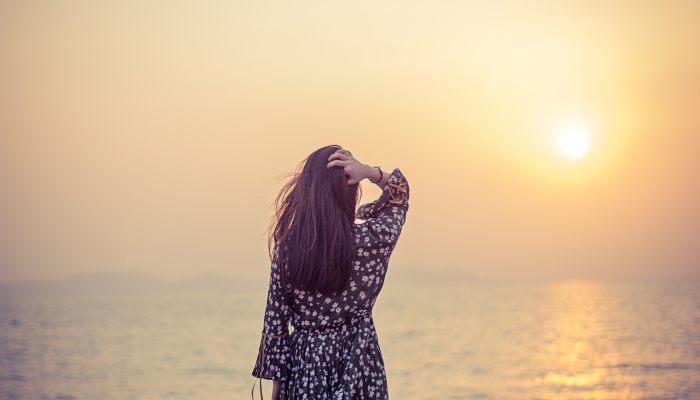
(148, 137)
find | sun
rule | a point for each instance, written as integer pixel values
(574, 142)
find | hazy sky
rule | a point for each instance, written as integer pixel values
(150, 135)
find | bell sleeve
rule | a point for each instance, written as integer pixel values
(273, 361)
(384, 218)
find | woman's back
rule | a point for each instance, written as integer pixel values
(374, 243)
(333, 351)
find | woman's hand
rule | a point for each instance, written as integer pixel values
(355, 170)
(276, 390)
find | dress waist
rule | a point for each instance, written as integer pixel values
(350, 325)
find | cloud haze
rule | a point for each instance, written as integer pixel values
(150, 137)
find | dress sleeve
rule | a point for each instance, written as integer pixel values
(274, 351)
(385, 217)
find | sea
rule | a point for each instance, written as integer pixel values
(439, 340)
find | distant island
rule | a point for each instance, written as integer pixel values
(123, 283)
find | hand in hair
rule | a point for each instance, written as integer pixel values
(354, 169)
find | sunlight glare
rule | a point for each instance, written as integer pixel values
(574, 143)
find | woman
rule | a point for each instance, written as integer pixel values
(327, 271)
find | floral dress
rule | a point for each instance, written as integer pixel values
(333, 351)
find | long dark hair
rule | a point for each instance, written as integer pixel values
(312, 229)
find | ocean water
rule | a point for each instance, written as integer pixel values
(569, 340)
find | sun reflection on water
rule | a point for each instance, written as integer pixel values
(576, 340)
